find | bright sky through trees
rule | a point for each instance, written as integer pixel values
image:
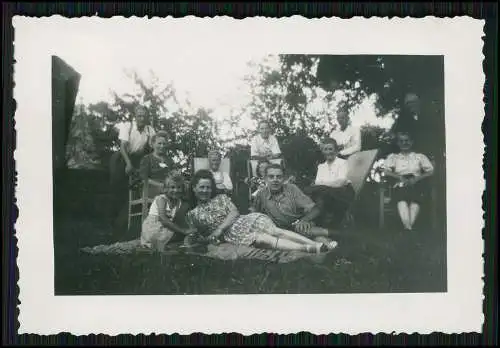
(209, 73)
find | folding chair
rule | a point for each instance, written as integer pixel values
(143, 197)
(386, 205)
(202, 163)
(359, 164)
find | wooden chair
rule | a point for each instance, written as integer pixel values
(143, 197)
(387, 206)
(359, 164)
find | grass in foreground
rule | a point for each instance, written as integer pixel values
(366, 261)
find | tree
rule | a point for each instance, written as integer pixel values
(191, 131)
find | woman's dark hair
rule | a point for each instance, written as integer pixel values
(199, 175)
(259, 164)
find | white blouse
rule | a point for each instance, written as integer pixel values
(411, 163)
(349, 140)
(263, 147)
(169, 211)
(328, 173)
(222, 179)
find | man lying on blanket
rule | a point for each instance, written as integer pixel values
(288, 206)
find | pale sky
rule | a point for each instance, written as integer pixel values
(202, 66)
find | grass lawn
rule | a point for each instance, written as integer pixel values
(366, 261)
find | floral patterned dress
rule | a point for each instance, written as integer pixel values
(208, 216)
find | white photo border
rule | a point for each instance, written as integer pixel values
(458, 310)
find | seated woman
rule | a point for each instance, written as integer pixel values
(167, 214)
(222, 179)
(257, 182)
(264, 145)
(216, 218)
(156, 165)
(332, 190)
(409, 169)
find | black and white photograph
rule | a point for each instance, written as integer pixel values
(211, 158)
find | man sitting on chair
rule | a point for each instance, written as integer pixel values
(264, 145)
(289, 207)
(348, 137)
(332, 191)
(222, 179)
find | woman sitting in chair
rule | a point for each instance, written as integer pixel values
(155, 166)
(222, 179)
(332, 190)
(257, 182)
(216, 218)
(409, 169)
(264, 145)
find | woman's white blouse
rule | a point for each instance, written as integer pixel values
(411, 163)
(329, 173)
(223, 178)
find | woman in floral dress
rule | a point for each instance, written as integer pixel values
(217, 218)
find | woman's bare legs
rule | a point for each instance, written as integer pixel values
(404, 214)
(414, 210)
(274, 242)
(293, 236)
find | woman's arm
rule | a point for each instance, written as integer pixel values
(228, 221)
(354, 146)
(390, 173)
(165, 221)
(388, 168)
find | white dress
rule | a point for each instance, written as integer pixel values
(154, 234)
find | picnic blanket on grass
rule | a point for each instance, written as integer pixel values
(223, 251)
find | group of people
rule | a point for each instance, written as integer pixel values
(282, 216)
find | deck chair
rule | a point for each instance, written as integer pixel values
(141, 197)
(252, 170)
(202, 163)
(386, 206)
(359, 164)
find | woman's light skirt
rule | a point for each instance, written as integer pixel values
(154, 235)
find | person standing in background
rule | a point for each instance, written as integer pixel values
(135, 141)
(347, 136)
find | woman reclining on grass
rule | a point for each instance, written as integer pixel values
(216, 218)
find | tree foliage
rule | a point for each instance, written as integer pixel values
(191, 131)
